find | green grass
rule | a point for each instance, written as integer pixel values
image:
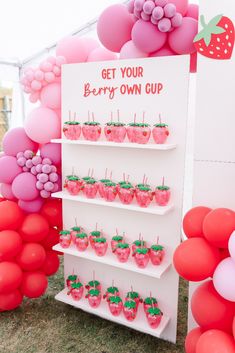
(47, 326)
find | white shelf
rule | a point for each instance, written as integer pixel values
(139, 324)
(148, 146)
(152, 209)
(111, 260)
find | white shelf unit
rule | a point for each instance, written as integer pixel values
(140, 323)
(110, 260)
(152, 209)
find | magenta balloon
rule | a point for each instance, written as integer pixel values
(101, 54)
(6, 192)
(147, 37)
(181, 6)
(181, 39)
(31, 206)
(73, 48)
(52, 151)
(91, 44)
(24, 187)
(165, 51)
(16, 140)
(129, 51)
(9, 169)
(193, 11)
(114, 27)
(51, 96)
(42, 125)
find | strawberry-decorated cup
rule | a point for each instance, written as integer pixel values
(108, 131)
(74, 231)
(90, 189)
(70, 280)
(130, 310)
(144, 196)
(73, 184)
(110, 292)
(72, 130)
(141, 256)
(77, 290)
(91, 131)
(135, 297)
(150, 302)
(115, 305)
(110, 191)
(94, 298)
(100, 246)
(94, 235)
(115, 241)
(101, 186)
(94, 284)
(118, 132)
(65, 239)
(126, 193)
(137, 244)
(154, 317)
(142, 133)
(157, 254)
(130, 132)
(160, 133)
(162, 195)
(81, 241)
(122, 251)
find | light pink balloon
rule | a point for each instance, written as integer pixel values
(101, 54)
(181, 39)
(9, 169)
(193, 11)
(114, 27)
(73, 48)
(181, 6)
(51, 96)
(231, 245)
(91, 44)
(16, 140)
(33, 98)
(24, 187)
(6, 192)
(147, 37)
(52, 151)
(31, 206)
(165, 51)
(223, 279)
(129, 51)
(42, 125)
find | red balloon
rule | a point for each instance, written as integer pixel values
(224, 254)
(193, 220)
(52, 211)
(31, 257)
(11, 215)
(210, 310)
(34, 228)
(234, 327)
(10, 244)
(51, 264)
(215, 341)
(51, 239)
(10, 301)
(218, 226)
(195, 259)
(10, 277)
(192, 339)
(34, 284)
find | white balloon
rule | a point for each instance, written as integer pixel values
(231, 246)
(224, 279)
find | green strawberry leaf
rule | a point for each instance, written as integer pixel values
(215, 20)
(218, 30)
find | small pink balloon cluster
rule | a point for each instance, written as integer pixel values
(161, 13)
(42, 168)
(34, 79)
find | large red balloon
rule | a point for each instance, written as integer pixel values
(210, 310)
(10, 244)
(215, 341)
(10, 301)
(234, 327)
(218, 226)
(193, 220)
(51, 239)
(51, 264)
(10, 277)
(192, 339)
(34, 228)
(11, 215)
(52, 211)
(31, 257)
(195, 259)
(34, 284)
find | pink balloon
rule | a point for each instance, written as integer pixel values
(129, 51)
(9, 169)
(223, 279)
(73, 48)
(193, 11)
(193, 62)
(101, 54)
(147, 37)
(165, 51)
(114, 27)
(181, 6)
(16, 141)
(49, 77)
(91, 44)
(6, 192)
(42, 125)
(52, 151)
(51, 96)
(31, 206)
(181, 39)
(33, 98)
(24, 187)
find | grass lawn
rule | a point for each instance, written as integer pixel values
(47, 326)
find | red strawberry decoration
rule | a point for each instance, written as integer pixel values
(216, 40)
